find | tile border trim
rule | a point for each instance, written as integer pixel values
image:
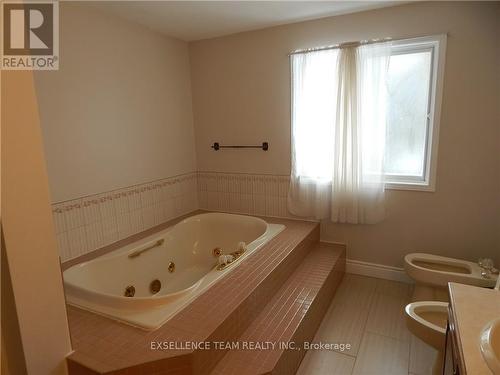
(87, 200)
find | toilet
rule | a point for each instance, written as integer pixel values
(432, 273)
(427, 320)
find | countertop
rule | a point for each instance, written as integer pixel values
(473, 308)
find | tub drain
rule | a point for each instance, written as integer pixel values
(129, 291)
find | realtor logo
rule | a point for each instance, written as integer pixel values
(30, 35)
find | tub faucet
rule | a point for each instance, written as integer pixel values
(216, 252)
(242, 247)
(225, 260)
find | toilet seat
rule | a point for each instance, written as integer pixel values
(439, 270)
(427, 330)
(432, 333)
(415, 309)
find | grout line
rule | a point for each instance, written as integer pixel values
(409, 354)
(372, 302)
(357, 353)
(346, 354)
(387, 337)
(372, 294)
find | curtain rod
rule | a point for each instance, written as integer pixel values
(356, 44)
(342, 45)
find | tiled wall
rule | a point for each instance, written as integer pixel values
(243, 193)
(85, 224)
(89, 223)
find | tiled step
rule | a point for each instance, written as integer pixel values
(221, 314)
(292, 315)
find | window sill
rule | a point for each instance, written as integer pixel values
(410, 186)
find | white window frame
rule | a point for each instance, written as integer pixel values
(437, 45)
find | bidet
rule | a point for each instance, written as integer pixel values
(432, 273)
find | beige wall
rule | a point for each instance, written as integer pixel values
(241, 94)
(29, 236)
(118, 112)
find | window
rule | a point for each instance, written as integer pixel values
(398, 124)
(413, 109)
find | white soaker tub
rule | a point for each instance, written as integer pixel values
(99, 285)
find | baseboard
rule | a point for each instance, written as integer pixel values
(379, 271)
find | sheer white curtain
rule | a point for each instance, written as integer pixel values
(314, 93)
(338, 133)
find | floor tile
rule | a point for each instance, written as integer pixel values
(320, 362)
(387, 317)
(382, 355)
(368, 313)
(393, 288)
(441, 294)
(422, 357)
(355, 291)
(343, 324)
(346, 318)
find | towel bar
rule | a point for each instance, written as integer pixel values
(216, 146)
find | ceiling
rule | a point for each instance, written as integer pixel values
(195, 20)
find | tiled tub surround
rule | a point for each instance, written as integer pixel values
(89, 223)
(253, 194)
(222, 313)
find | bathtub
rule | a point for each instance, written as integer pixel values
(149, 281)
